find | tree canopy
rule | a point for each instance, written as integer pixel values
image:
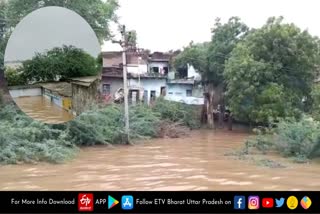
(209, 57)
(271, 72)
(65, 62)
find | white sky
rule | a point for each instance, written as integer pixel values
(162, 25)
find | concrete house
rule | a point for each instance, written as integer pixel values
(186, 89)
(146, 76)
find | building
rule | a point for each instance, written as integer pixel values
(185, 90)
(147, 76)
(85, 91)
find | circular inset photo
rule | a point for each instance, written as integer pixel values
(52, 65)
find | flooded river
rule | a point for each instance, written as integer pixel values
(42, 109)
(197, 162)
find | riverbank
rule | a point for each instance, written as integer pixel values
(197, 162)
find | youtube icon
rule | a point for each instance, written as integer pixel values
(267, 202)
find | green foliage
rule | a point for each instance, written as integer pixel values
(65, 62)
(224, 39)
(177, 112)
(25, 140)
(101, 126)
(194, 54)
(299, 139)
(15, 77)
(271, 71)
(315, 96)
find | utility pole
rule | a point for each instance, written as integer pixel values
(124, 44)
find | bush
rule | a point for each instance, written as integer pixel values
(15, 77)
(291, 138)
(315, 95)
(25, 140)
(177, 112)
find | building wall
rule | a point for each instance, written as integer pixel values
(160, 65)
(83, 97)
(136, 69)
(149, 85)
(115, 83)
(53, 97)
(178, 93)
(178, 90)
(30, 92)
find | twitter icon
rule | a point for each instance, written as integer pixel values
(279, 202)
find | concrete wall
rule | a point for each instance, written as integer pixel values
(83, 97)
(136, 69)
(149, 85)
(30, 92)
(160, 65)
(178, 90)
(178, 93)
(115, 83)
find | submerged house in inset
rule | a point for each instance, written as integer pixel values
(58, 93)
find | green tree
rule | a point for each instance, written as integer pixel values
(315, 95)
(15, 77)
(209, 59)
(65, 62)
(271, 72)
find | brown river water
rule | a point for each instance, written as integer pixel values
(42, 109)
(197, 162)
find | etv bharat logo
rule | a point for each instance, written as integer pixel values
(85, 202)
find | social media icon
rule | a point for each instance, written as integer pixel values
(305, 202)
(253, 202)
(239, 202)
(292, 202)
(112, 202)
(267, 202)
(85, 202)
(127, 202)
(279, 202)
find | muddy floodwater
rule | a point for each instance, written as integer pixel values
(42, 109)
(197, 162)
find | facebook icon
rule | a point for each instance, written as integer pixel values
(239, 202)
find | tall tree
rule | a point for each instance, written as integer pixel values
(209, 59)
(271, 72)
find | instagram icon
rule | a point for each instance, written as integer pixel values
(253, 202)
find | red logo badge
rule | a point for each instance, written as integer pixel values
(267, 202)
(85, 202)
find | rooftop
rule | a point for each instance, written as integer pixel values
(61, 88)
(84, 81)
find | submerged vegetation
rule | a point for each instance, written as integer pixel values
(26, 140)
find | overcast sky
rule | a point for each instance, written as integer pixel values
(50, 27)
(171, 24)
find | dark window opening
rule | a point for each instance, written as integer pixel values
(106, 89)
(166, 70)
(189, 93)
(155, 69)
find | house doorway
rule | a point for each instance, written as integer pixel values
(133, 97)
(163, 91)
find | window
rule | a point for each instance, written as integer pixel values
(155, 69)
(106, 89)
(170, 92)
(189, 93)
